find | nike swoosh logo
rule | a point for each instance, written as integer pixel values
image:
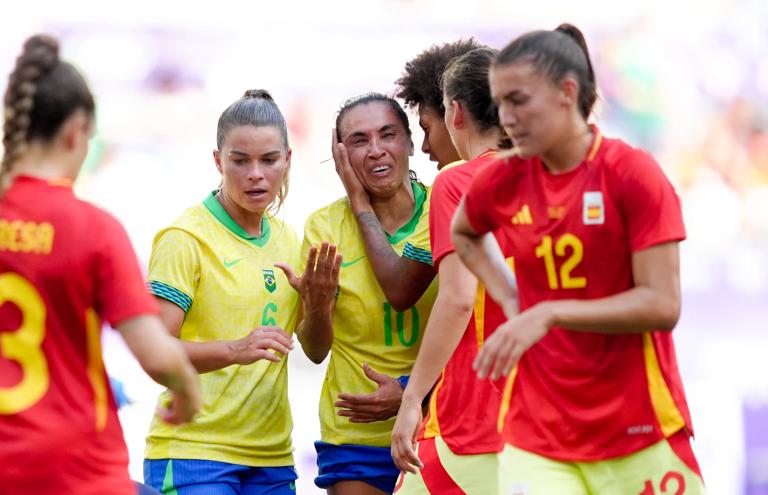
(230, 264)
(349, 263)
(292, 486)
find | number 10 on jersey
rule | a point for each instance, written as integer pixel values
(400, 324)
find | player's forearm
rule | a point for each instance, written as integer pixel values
(315, 333)
(209, 356)
(447, 324)
(483, 256)
(392, 271)
(159, 354)
(640, 309)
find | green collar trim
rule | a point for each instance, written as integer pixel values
(217, 210)
(419, 195)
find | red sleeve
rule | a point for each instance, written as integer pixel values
(444, 199)
(480, 199)
(122, 292)
(648, 201)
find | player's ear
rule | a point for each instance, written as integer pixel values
(217, 161)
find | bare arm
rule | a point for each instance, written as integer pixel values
(652, 304)
(165, 361)
(218, 354)
(447, 324)
(317, 286)
(403, 280)
(483, 256)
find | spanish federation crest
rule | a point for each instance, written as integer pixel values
(270, 283)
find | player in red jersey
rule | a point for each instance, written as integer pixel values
(64, 267)
(458, 442)
(594, 402)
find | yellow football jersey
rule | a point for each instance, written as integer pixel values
(226, 282)
(365, 327)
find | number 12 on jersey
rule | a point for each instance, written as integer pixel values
(564, 243)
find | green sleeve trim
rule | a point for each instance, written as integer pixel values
(170, 293)
(412, 252)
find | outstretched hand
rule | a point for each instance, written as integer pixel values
(404, 436)
(369, 408)
(320, 280)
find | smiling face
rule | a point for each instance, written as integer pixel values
(533, 111)
(437, 143)
(253, 162)
(378, 147)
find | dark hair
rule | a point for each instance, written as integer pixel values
(376, 98)
(420, 82)
(42, 93)
(372, 98)
(256, 108)
(466, 79)
(557, 53)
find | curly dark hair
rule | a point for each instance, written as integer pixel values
(420, 82)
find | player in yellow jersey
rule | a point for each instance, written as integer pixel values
(213, 274)
(386, 291)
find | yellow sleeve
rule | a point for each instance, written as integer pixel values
(174, 267)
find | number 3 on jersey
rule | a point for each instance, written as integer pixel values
(564, 243)
(24, 345)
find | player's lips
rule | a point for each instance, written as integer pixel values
(255, 193)
(380, 169)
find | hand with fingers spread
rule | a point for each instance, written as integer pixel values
(359, 200)
(404, 436)
(256, 345)
(320, 280)
(504, 348)
(369, 408)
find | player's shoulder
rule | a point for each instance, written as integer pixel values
(334, 210)
(282, 231)
(621, 158)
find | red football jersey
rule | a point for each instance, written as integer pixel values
(462, 410)
(64, 266)
(580, 395)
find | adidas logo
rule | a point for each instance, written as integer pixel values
(523, 217)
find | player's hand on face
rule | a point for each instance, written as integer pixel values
(359, 200)
(404, 436)
(369, 408)
(257, 345)
(320, 280)
(504, 348)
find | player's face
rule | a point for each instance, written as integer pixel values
(437, 143)
(378, 147)
(252, 162)
(532, 110)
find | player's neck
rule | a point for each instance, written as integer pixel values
(395, 211)
(569, 152)
(478, 144)
(249, 221)
(43, 162)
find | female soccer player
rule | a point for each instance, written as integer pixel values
(213, 273)
(366, 325)
(595, 403)
(458, 444)
(65, 266)
(419, 87)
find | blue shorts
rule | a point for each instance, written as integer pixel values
(372, 465)
(200, 477)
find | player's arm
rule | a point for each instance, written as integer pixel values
(483, 256)
(218, 354)
(403, 280)
(317, 286)
(652, 304)
(165, 361)
(447, 323)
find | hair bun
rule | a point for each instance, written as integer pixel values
(258, 93)
(41, 50)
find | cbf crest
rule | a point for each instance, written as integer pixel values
(270, 283)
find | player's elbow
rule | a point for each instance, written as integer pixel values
(316, 356)
(668, 314)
